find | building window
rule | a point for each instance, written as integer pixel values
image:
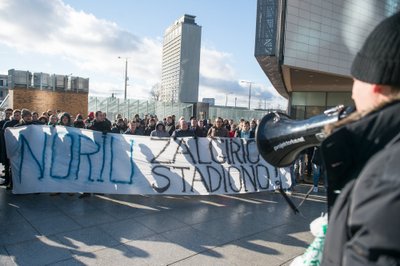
(309, 98)
(338, 98)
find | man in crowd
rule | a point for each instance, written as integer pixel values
(99, 123)
(194, 126)
(26, 118)
(170, 125)
(133, 128)
(150, 127)
(183, 130)
(218, 129)
(16, 117)
(8, 112)
(119, 126)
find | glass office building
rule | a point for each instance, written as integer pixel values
(181, 61)
(306, 48)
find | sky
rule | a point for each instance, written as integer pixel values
(86, 37)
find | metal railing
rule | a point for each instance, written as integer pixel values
(128, 108)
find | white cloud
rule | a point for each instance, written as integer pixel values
(55, 33)
(92, 45)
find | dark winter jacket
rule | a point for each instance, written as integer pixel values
(149, 129)
(179, 133)
(3, 152)
(218, 132)
(170, 128)
(101, 126)
(358, 215)
(199, 132)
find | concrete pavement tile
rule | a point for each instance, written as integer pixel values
(5, 259)
(207, 258)
(197, 215)
(283, 247)
(191, 239)
(10, 215)
(157, 250)
(28, 201)
(87, 240)
(227, 230)
(118, 255)
(92, 217)
(68, 262)
(160, 222)
(54, 225)
(238, 255)
(123, 212)
(38, 213)
(75, 207)
(17, 232)
(127, 230)
(298, 230)
(49, 248)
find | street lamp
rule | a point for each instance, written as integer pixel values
(126, 74)
(226, 98)
(248, 82)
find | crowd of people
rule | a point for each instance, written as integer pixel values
(149, 125)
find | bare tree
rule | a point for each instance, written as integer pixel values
(155, 92)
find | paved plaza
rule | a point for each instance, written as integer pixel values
(248, 229)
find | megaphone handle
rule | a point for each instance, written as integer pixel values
(288, 200)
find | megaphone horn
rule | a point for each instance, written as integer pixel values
(281, 139)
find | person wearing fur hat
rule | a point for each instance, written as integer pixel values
(159, 131)
(361, 157)
(89, 120)
(78, 122)
(26, 118)
(43, 120)
(53, 120)
(119, 127)
(65, 120)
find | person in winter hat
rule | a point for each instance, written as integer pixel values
(361, 157)
(159, 131)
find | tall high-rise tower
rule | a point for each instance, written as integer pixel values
(181, 61)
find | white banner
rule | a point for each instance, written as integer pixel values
(66, 159)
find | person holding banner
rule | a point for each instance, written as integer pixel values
(218, 129)
(159, 132)
(133, 128)
(16, 116)
(8, 113)
(183, 130)
(100, 124)
(362, 161)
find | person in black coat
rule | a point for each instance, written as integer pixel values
(170, 125)
(183, 130)
(150, 127)
(119, 127)
(360, 161)
(16, 117)
(100, 124)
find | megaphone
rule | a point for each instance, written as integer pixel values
(281, 139)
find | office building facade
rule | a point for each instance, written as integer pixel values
(181, 61)
(306, 48)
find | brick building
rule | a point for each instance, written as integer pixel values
(40, 92)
